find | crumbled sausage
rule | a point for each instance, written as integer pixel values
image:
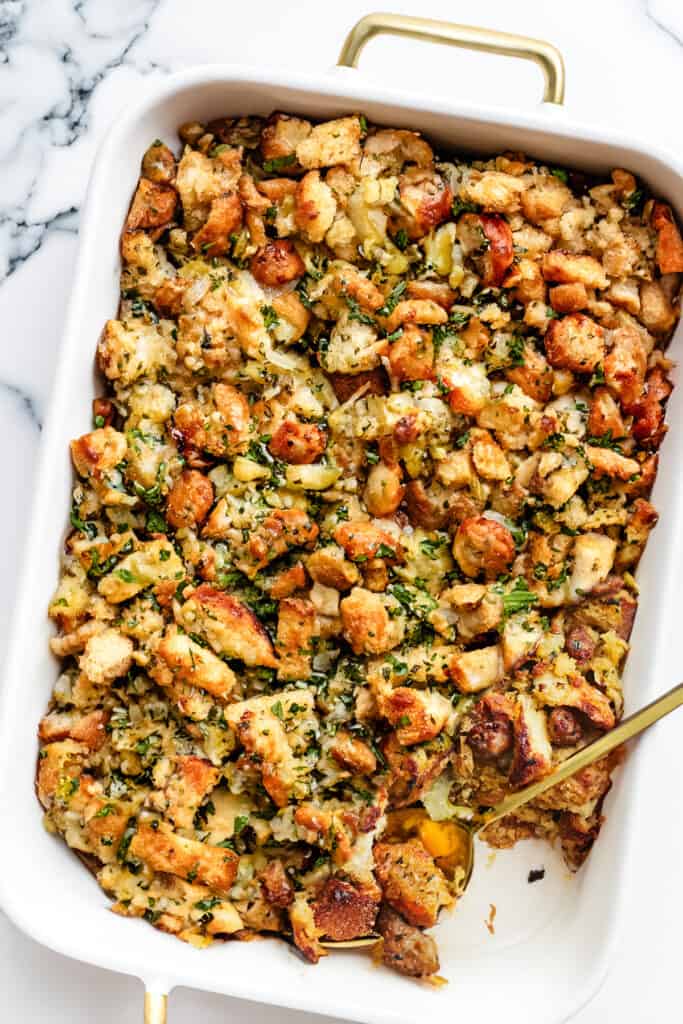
(407, 949)
(298, 443)
(276, 264)
(564, 728)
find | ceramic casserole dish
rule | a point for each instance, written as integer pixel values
(552, 942)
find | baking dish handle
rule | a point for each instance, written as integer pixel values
(156, 1005)
(548, 57)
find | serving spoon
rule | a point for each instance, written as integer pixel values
(626, 730)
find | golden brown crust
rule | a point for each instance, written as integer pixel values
(378, 436)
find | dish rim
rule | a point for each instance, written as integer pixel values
(339, 84)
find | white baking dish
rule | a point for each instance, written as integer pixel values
(553, 939)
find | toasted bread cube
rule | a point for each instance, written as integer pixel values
(593, 559)
(411, 882)
(107, 656)
(606, 462)
(279, 139)
(495, 191)
(59, 767)
(625, 366)
(329, 567)
(569, 298)
(575, 343)
(88, 729)
(132, 349)
(258, 725)
(352, 753)
(476, 670)
(153, 206)
(521, 635)
(163, 850)
(532, 757)
(547, 199)
(330, 143)
(189, 500)
(229, 626)
(417, 715)
(192, 780)
(669, 241)
(181, 659)
(343, 911)
(222, 430)
(569, 267)
(656, 309)
(296, 627)
(368, 627)
(315, 206)
(97, 453)
(215, 237)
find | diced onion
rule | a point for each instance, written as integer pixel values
(313, 477)
(247, 470)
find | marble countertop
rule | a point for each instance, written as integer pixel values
(66, 68)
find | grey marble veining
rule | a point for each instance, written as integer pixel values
(65, 51)
(668, 16)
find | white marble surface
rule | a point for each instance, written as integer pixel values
(66, 68)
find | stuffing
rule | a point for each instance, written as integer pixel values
(315, 207)
(153, 206)
(155, 563)
(180, 659)
(334, 142)
(107, 656)
(669, 242)
(569, 268)
(166, 851)
(296, 628)
(368, 623)
(193, 778)
(277, 263)
(532, 755)
(575, 343)
(189, 500)
(220, 427)
(343, 912)
(352, 347)
(228, 625)
(411, 882)
(216, 235)
(477, 670)
(495, 191)
(351, 536)
(417, 715)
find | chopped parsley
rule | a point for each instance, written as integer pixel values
(462, 206)
(393, 299)
(270, 317)
(519, 599)
(279, 163)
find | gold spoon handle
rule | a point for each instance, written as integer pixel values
(626, 730)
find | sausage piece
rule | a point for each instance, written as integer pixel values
(407, 949)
